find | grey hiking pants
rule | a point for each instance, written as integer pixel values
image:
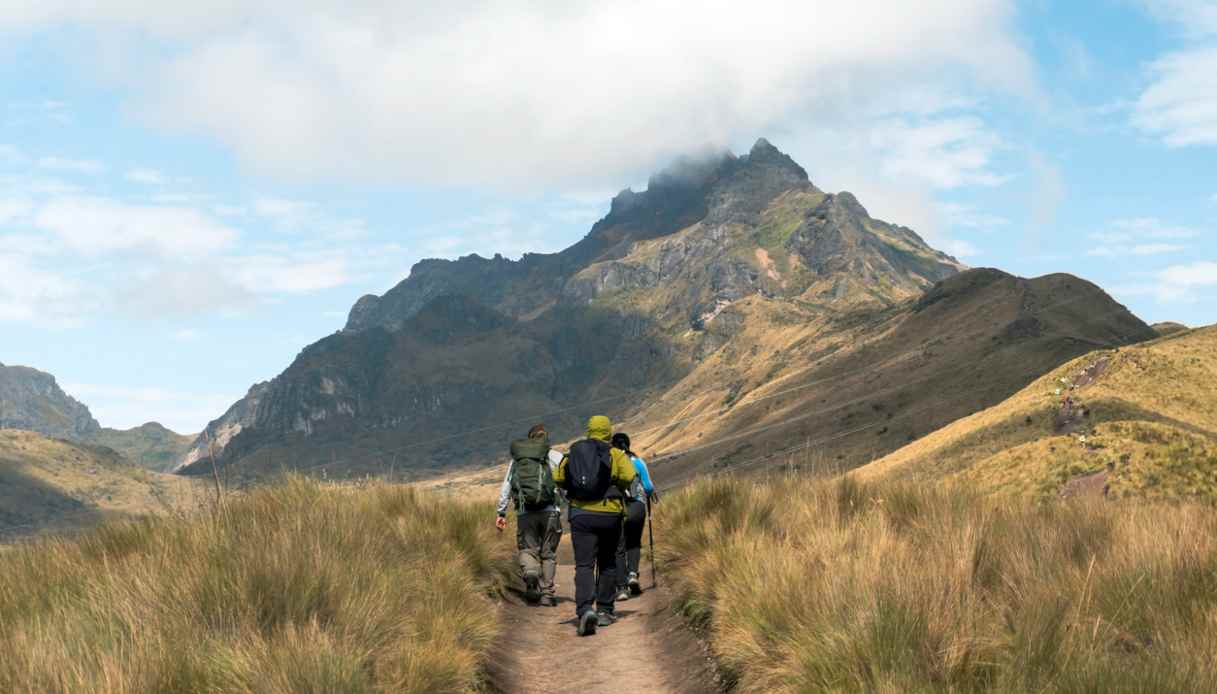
(537, 537)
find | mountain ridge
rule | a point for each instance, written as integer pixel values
(664, 284)
(32, 400)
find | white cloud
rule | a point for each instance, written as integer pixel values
(277, 274)
(10, 155)
(1198, 274)
(35, 294)
(1142, 228)
(969, 217)
(1180, 104)
(147, 177)
(103, 225)
(286, 214)
(187, 335)
(14, 208)
(1194, 17)
(531, 95)
(1176, 283)
(126, 406)
(1137, 249)
(946, 152)
(1049, 190)
(960, 248)
(77, 166)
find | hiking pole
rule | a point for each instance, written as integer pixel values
(651, 532)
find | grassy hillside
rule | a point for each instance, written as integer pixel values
(808, 586)
(51, 484)
(293, 588)
(862, 385)
(150, 446)
(1140, 420)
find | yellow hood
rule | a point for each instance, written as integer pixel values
(599, 427)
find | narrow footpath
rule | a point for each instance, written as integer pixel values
(647, 650)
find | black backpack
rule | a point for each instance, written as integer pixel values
(589, 470)
(532, 482)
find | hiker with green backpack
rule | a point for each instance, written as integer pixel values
(596, 478)
(529, 483)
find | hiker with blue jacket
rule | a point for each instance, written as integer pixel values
(529, 483)
(596, 478)
(638, 500)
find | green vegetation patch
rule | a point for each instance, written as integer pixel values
(783, 217)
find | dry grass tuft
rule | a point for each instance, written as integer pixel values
(296, 587)
(842, 586)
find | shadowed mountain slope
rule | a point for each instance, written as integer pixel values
(53, 484)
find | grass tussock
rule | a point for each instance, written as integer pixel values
(809, 586)
(298, 587)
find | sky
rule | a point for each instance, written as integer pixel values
(191, 193)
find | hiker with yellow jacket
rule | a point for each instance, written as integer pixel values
(596, 477)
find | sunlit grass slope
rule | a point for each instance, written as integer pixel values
(809, 586)
(297, 587)
(52, 484)
(1143, 419)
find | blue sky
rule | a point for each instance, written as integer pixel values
(188, 196)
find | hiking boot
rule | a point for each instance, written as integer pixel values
(605, 619)
(623, 594)
(548, 601)
(588, 623)
(532, 587)
(634, 585)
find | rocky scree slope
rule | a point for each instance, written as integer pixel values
(726, 273)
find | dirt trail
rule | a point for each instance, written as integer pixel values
(647, 650)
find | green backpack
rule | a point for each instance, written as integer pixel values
(532, 482)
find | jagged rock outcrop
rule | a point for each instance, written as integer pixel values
(32, 400)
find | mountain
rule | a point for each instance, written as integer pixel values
(151, 446)
(54, 484)
(842, 391)
(1137, 421)
(727, 278)
(31, 399)
(1169, 328)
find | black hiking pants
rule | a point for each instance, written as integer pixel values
(629, 549)
(594, 537)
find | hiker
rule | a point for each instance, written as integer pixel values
(596, 477)
(529, 483)
(639, 497)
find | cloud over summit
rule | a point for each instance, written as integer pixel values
(521, 96)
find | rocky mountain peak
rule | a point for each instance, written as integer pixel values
(32, 400)
(847, 200)
(763, 153)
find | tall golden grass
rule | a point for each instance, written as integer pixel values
(296, 587)
(807, 586)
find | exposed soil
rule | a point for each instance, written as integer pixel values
(649, 649)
